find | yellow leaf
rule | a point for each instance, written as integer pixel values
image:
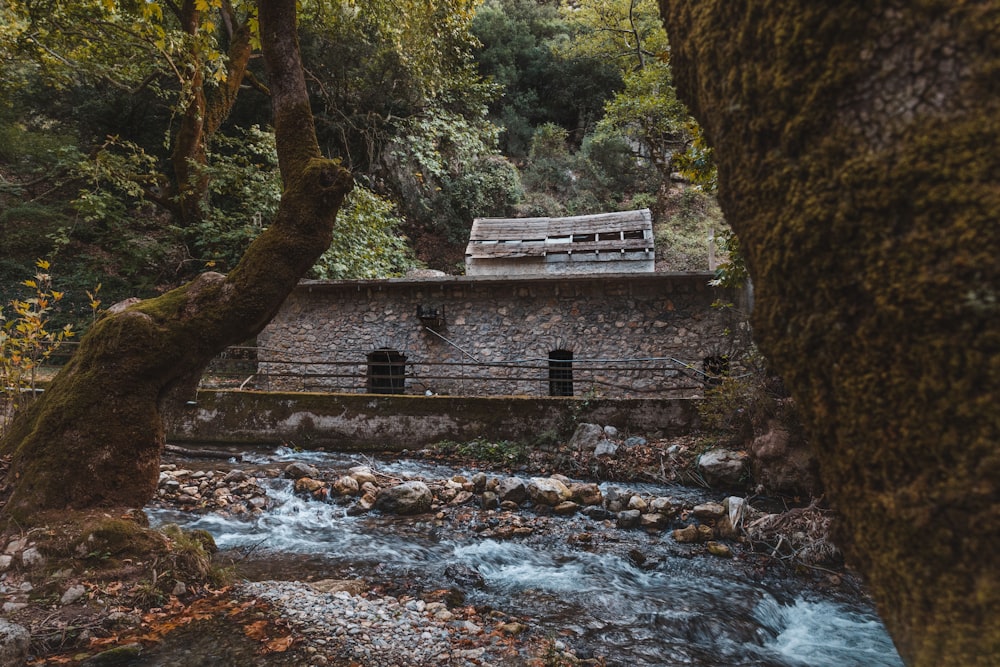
(31, 283)
(201, 5)
(42, 264)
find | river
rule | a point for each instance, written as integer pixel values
(630, 597)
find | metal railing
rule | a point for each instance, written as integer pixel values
(241, 368)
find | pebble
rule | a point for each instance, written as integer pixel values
(382, 631)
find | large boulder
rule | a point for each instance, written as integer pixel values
(586, 437)
(406, 498)
(723, 467)
(548, 491)
(511, 489)
(784, 463)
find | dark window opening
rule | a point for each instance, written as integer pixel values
(560, 373)
(609, 236)
(715, 367)
(583, 238)
(634, 234)
(386, 372)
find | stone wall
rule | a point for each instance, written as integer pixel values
(392, 423)
(629, 335)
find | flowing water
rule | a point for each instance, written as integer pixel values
(662, 607)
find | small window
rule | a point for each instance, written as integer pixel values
(560, 373)
(386, 372)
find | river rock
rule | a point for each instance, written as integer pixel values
(5, 561)
(616, 499)
(566, 508)
(628, 519)
(363, 474)
(32, 557)
(14, 641)
(605, 448)
(718, 549)
(406, 498)
(586, 493)
(298, 469)
(347, 485)
(662, 505)
(586, 437)
(489, 500)
(308, 485)
(479, 482)
(708, 511)
(637, 503)
(692, 533)
(547, 491)
(511, 489)
(72, 594)
(723, 467)
(653, 521)
(635, 441)
(784, 463)
(596, 512)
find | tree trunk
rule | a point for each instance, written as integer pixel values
(857, 146)
(204, 112)
(94, 437)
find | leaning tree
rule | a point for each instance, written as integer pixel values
(858, 148)
(94, 437)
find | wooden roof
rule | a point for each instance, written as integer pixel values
(625, 231)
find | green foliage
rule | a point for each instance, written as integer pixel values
(26, 340)
(733, 271)
(688, 219)
(483, 449)
(366, 241)
(740, 407)
(244, 192)
(449, 172)
(541, 84)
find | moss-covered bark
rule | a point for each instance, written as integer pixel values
(857, 146)
(94, 437)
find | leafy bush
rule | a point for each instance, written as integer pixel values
(366, 241)
(26, 341)
(741, 407)
(483, 449)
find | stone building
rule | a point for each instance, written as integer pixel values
(608, 335)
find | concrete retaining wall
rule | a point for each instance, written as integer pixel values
(352, 422)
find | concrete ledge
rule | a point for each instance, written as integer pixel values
(358, 422)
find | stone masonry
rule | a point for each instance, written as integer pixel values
(627, 335)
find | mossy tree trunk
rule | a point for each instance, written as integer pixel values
(94, 437)
(858, 147)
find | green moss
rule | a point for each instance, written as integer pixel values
(859, 171)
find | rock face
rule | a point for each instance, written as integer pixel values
(405, 498)
(782, 463)
(722, 467)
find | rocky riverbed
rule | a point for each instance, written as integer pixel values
(417, 603)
